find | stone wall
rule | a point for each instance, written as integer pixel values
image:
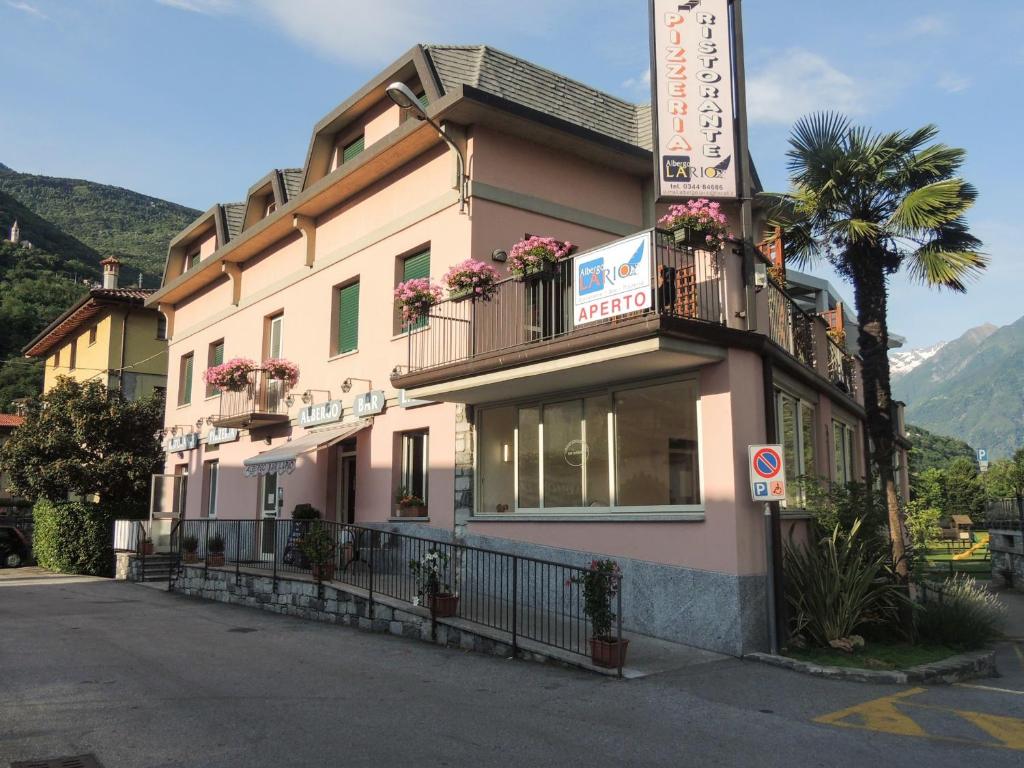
(1007, 548)
(127, 566)
(333, 604)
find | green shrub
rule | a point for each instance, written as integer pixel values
(959, 612)
(835, 586)
(305, 512)
(834, 505)
(73, 537)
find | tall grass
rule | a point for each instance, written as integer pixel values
(959, 612)
(836, 585)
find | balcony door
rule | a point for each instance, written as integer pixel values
(273, 349)
(549, 305)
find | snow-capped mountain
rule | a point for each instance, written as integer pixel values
(903, 362)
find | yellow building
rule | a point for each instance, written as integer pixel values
(108, 336)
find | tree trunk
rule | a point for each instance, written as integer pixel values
(870, 291)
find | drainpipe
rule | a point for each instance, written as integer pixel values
(773, 534)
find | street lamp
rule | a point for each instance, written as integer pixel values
(346, 385)
(400, 93)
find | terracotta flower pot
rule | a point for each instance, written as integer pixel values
(190, 557)
(146, 547)
(323, 571)
(443, 605)
(215, 559)
(608, 652)
(411, 511)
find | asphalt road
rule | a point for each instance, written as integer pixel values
(144, 678)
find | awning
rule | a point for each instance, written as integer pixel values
(281, 460)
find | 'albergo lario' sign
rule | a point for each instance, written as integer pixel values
(612, 280)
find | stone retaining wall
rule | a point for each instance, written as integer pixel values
(336, 604)
(1007, 548)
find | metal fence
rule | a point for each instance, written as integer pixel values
(126, 535)
(685, 283)
(537, 600)
(789, 326)
(1005, 513)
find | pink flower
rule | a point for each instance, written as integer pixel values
(700, 215)
(472, 276)
(528, 255)
(415, 297)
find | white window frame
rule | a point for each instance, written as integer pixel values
(799, 403)
(613, 508)
(407, 452)
(214, 485)
(846, 431)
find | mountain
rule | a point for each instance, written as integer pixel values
(972, 389)
(902, 363)
(47, 237)
(933, 451)
(112, 221)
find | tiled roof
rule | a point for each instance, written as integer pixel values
(292, 178)
(234, 214)
(541, 89)
(121, 293)
(81, 312)
(11, 420)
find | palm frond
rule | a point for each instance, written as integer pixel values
(932, 206)
(950, 259)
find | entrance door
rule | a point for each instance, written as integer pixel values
(268, 513)
(346, 487)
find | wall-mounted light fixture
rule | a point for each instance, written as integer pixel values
(346, 385)
(307, 396)
(399, 93)
(180, 427)
(506, 453)
(499, 255)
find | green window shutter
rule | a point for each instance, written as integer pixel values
(185, 397)
(416, 266)
(353, 148)
(218, 354)
(348, 318)
(422, 99)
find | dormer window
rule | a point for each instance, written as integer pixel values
(348, 152)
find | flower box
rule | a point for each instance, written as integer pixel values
(411, 511)
(608, 652)
(698, 224)
(443, 605)
(190, 557)
(215, 559)
(541, 271)
(323, 571)
(691, 238)
(462, 295)
(536, 256)
(471, 279)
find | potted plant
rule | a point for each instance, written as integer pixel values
(409, 504)
(536, 256)
(698, 224)
(145, 545)
(279, 369)
(215, 551)
(431, 588)
(319, 547)
(471, 279)
(415, 298)
(601, 583)
(189, 548)
(232, 376)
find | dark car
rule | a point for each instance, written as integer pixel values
(14, 549)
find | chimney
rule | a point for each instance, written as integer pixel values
(111, 269)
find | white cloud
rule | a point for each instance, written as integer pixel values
(640, 84)
(31, 10)
(928, 26)
(207, 7)
(796, 82)
(951, 83)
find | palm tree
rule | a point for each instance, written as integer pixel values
(870, 204)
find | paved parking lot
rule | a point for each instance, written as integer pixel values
(140, 677)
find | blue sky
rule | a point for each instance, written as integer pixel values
(193, 100)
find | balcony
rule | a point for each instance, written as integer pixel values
(529, 338)
(261, 403)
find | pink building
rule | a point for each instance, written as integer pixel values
(524, 426)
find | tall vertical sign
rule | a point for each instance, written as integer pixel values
(693, 109)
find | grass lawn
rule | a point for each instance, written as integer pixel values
(875, 656)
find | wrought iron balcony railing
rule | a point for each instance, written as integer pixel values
(260, 403)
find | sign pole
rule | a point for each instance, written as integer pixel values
(769, 529)
(746, 180)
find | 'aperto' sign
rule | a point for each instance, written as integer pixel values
(612, 280)
(692, 99)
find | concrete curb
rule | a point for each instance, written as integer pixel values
(955, 669)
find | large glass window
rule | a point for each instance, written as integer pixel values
(795, 422)
(211, 474)
(414, 464)
(185, 368)
(561, 455)
(843, 446)
(656, 443)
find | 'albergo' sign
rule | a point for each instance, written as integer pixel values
(186, 441)
(320, 413)
(612, 280)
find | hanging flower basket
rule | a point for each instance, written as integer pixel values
(232, 376)
(471, 279)
(416, 297)
(279, 369)
(536, 256)
(697, 224)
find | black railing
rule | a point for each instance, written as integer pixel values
(840, 367)
(789, 326)
(684, 283)
(261, 395)
(1007, 514)
(524, 597)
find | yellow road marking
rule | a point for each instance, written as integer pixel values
(877, 715)
(883, 715)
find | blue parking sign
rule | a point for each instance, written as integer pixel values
(760, 490)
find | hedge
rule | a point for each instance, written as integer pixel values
(73, 537)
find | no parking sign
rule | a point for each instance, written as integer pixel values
(767, 473)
